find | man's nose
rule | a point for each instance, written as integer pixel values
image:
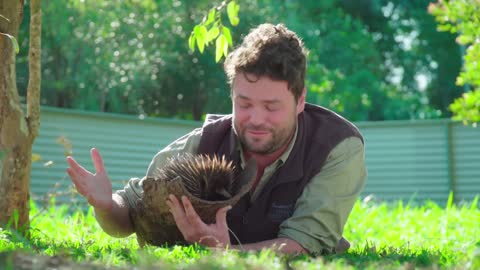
(257, 117)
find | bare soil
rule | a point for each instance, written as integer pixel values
(18, 260)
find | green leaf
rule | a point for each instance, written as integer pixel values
(200, 32)
(232, 13)
(463, 39)
(228, 36)
(36, 157)
(13, 219)
(16, 217)
(201, 44)
(449, 201)
(212, 34)
(191, 42)
(219, 47)
(196, 30)
(225, 47)
(444, 27)
(14, 42)
(210, 17)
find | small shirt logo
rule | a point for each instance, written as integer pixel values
(279, 212)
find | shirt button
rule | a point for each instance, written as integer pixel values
(244, 219)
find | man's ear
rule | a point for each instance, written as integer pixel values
(301, 101)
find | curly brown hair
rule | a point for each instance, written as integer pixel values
(273, 51)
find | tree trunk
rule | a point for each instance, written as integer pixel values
(17, 130)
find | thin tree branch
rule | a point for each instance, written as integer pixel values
(34, 80)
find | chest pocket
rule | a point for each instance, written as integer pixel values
(279, 212)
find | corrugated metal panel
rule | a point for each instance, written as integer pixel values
(406, 161)
(127, 145)
(466, 153)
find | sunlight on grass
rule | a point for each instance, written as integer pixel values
(393, 236)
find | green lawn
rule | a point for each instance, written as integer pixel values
(383, 236)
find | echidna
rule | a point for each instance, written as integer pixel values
(204, 177)
(209, 182)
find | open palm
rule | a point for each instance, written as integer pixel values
(96, 188)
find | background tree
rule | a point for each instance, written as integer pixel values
(372, 59)
(421, 62)
(369, 59)
(18, 129)
(463, 18)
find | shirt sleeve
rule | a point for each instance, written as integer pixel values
(326, 202)
(186, 144)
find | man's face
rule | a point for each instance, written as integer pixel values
(264, 113)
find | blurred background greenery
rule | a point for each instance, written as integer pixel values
(369, 60)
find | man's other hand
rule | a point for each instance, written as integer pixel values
(193, 229)
(96, 188)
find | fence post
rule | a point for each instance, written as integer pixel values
(450, 161)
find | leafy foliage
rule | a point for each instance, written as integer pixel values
(144, 57)
(467, 108)
(211, 28)
(463, 18)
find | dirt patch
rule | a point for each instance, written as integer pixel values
(28, 261)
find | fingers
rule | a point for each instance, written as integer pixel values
(78, 174)
(221, 216)
(97, 160)
(77, 168)
(79, 185)
(193, 228)
(187, 220)
(191, 214)
(73, 176)
(178, 214)
(186, 214)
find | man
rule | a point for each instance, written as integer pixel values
(310, 161)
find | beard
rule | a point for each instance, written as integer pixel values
(275, 140)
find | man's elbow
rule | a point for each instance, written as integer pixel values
(117, 232)
(115, 226)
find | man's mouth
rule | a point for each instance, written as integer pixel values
(255, 132)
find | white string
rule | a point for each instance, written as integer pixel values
(236, 238)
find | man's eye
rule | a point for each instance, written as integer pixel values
(272, 108)
(244, 106)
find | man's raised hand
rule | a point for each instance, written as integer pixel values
(96, 188)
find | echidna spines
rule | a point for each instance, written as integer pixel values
(206, 177)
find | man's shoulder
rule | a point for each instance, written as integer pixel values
(216, 118)
(326, 121)
(217, 124)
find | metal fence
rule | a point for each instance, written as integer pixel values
(422, 160)
(406, 160)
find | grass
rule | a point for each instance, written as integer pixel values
(383, 236)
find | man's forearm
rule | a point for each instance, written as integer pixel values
(284, 245)
(116, 221)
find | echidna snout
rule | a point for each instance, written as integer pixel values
(205, 177)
